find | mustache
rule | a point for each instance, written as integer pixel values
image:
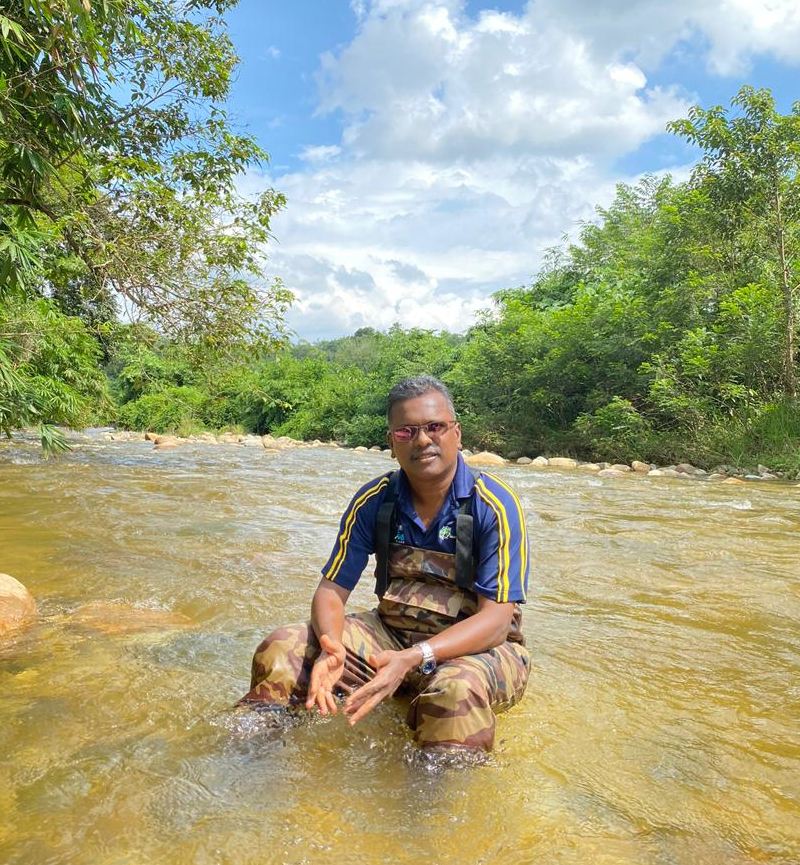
(429, 451)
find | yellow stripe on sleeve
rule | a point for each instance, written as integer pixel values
(524, 549)
(344, 535)
(503, 538)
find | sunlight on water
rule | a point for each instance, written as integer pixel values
(660, 725)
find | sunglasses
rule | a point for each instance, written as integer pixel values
(434, 430)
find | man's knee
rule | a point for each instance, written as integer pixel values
(279, 663)
(455, 710)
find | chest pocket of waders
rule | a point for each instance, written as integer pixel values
(423, 591)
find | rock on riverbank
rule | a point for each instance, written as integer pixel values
(17, 606)
(637, 468)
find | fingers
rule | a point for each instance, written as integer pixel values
(357, 712)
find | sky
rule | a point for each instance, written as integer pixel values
(432, 151)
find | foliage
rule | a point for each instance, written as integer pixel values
(119, 166)
(615, 431)
(49, 370)
(750, 171)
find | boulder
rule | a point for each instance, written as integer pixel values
(164, 442)
(639, 466)
(612, 473)
(252, 441)
(540, 461)
(228, 438)
(563, 463)
(376, 448)
(685, 468)
(589, 467)
(150, 436)
(17, 607)
(655, 473)
(621, 467)
(763, 470)
(733, 481)
(768, 476)
(674, 473)
(485, 458)
(524, 461)
(361, 449)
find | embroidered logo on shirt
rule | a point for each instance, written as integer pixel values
(445, 532)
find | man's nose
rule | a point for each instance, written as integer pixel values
(422, 437)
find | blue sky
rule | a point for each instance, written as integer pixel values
(432, 150)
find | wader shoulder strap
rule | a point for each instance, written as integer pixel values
(384, 529)
(384, 526)
(465, 560)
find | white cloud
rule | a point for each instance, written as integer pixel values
(421, 80)
(320, 153)
(471, 144)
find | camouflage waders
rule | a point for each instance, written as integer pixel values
(456, 704)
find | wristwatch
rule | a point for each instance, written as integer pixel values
(428, 664)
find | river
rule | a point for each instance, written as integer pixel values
(661, 724)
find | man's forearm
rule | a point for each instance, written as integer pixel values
(484, 630)
(327, 610)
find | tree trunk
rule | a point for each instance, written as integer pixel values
(787, 292)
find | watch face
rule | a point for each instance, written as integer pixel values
(427, 667)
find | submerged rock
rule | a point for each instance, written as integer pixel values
(17, 606)
(110, 617)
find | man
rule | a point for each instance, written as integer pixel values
(452, 569)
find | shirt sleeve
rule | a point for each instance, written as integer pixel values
(502, 542)
(356, 539)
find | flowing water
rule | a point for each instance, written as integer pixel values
(661, 723)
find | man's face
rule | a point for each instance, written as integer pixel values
(425, 458)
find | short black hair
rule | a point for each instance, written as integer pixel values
(414, 386)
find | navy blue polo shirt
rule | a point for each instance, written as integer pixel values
(500, 541)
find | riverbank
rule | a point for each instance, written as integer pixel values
(636, 468)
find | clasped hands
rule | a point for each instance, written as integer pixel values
(391, 668)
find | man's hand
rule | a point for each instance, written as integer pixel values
(325, 673)
(392, 668)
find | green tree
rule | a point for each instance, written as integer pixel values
(116, 153)
(750, 170)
